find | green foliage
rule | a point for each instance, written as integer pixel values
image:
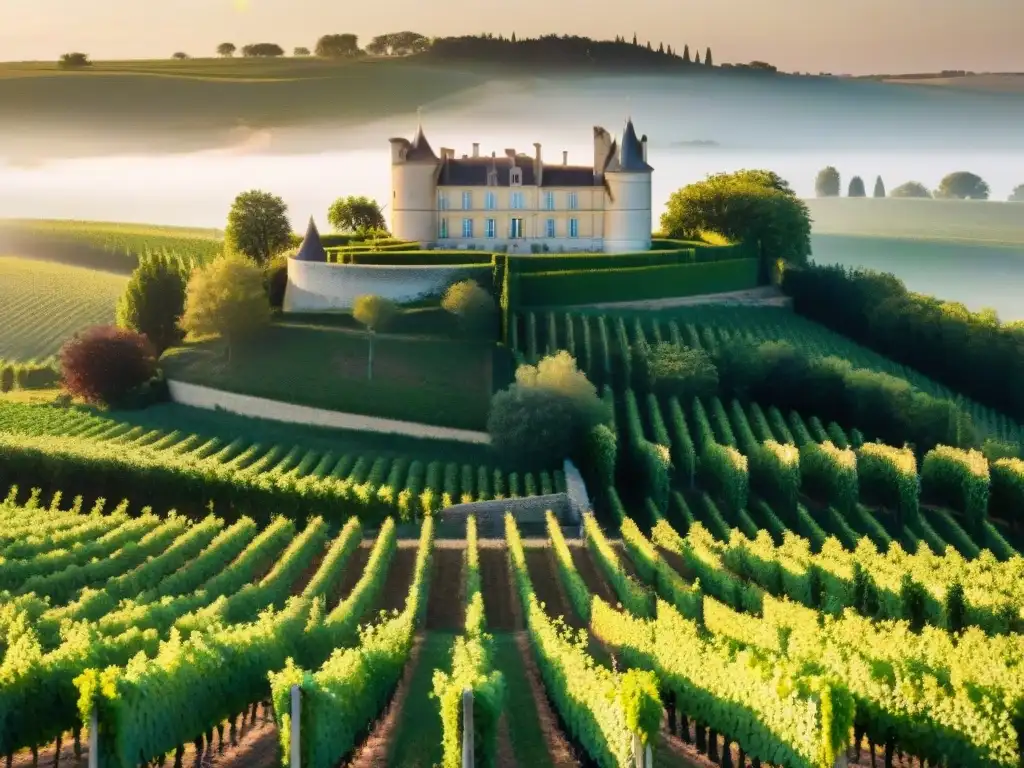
(602, 454)
(642, 703)
(356, 214)
(226, 297)
(1007, 493)
(154, 301)
(724, 469)
(856, 188)
(258, 226)
(530, 426)
(74, 60)
(635, 597)
(826, 184)
(680, 371)
(959, 480)
(635, 283)
(911, 189)
(375, 313)
(1017, 196)
(472, 305)
(829, 474)
(749, 206)
(962, 185)
(879, 187)
(775, 475)
(888, 477)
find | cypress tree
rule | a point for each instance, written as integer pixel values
(634, 38)
(707, 58)
(856, 188)
(661, 47)
(879, 187)
(513, 37)
(686, 53)
(649, 46)
(154, 300)
(696, 57)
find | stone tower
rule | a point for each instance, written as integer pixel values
(627, 217)
(414, 168)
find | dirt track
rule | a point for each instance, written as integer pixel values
(547, 585)
(500, 604)
(446, 599)
(399, 579)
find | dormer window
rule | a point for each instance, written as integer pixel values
(515, 178)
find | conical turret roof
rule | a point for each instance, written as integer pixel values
(629, 154)
(311, 249)
(420, 148)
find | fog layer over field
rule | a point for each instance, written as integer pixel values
(697, 125)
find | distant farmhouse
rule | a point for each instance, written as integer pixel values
(520, 203)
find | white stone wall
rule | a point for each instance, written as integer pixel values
(320, 287)
(627, 217)
(523, 245)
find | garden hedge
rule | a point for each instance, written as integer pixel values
(635, 283)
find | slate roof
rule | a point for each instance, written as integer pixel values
(420, 148)
(472, 172)
(311, 249)
(629, 153)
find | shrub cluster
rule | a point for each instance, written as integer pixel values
(775, 475)
(965, 351)
(1007, 491)
(725, 471)
(104, 364)
(27, 375)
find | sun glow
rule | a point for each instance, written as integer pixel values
(241, 5)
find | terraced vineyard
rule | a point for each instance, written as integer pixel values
(42, 305)
(598, 339)
(104, 245)
(185, 639)
(98, 457)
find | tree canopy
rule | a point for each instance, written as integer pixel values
(258, 50)
(962, 185)
(226, 50)
(258, 225)
(750, 205)
(827, 182)
(154, 300)
(338, 46)
(911, 189)
(1017, 196)
(473, 306)
(879, 187)
(226, 298)
(103, 364)
(180, 55)
(74, 60)
(398, 44)
(375, 313)
(355, 213)
(856, 188)
(301, 51)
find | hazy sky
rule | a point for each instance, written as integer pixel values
(855, 36)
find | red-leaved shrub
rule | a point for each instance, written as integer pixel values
(104, 363)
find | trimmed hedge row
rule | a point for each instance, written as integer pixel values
(775, 474)
(1007, 490)
(957, 479)
(888, 476)
(830, 474)
(28, 375)
(404, 258)
(635, 283)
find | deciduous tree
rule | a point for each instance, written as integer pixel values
(374, 313)
(355, 213)
(258, 225)
(827, 183)
(227, 50)
(910, 189)
(856, 188)
(154, 300)
(74, 60)
(472, 305)
(1017, 196)
(301, 51)
(962, 185)
(749, 206)
(226, 298)
(337, 46)
(180, 55)
(262, 50)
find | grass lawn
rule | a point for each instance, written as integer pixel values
(43, 304)
(417, 737)
(428, 380)
(527, 736)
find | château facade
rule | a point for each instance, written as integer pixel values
(520, 203)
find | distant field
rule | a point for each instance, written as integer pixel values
(225, 93)
(43, 304)
(987, 222)
(971, 252)
(109, 246)
(1005, 83)
(434, 381)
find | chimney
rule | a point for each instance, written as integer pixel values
(565, 157)
(447, 154)
(476, 149)
(643, 146)
(538, 164)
